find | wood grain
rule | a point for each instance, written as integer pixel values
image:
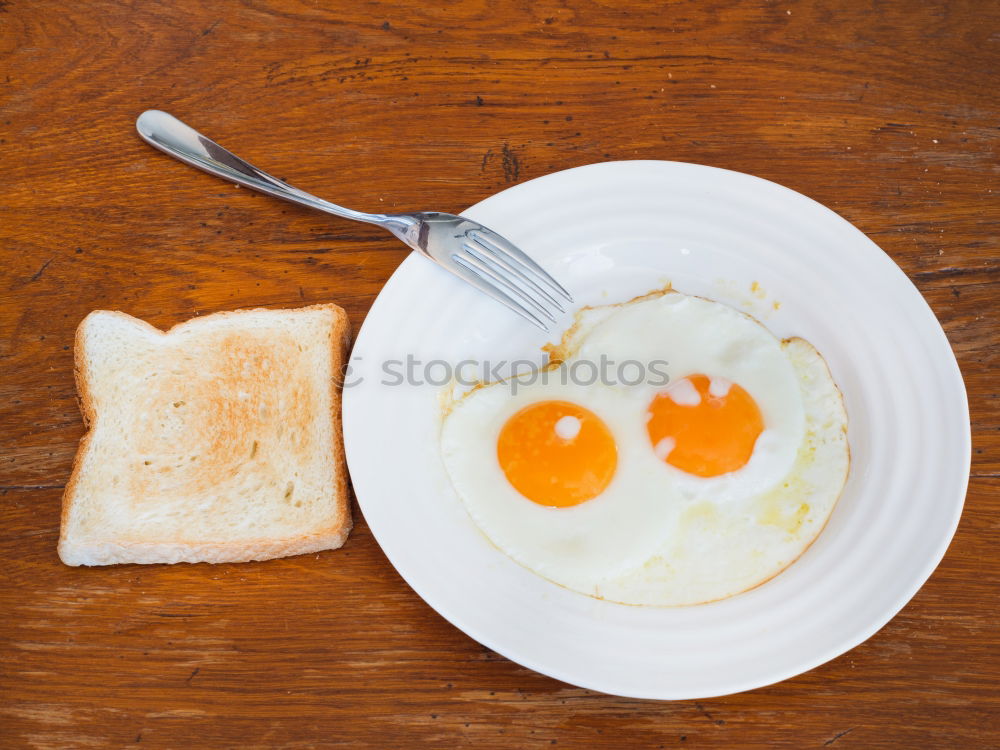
(884, 111)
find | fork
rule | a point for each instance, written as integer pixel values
(474, 253)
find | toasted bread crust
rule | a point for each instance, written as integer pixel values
(113, 552)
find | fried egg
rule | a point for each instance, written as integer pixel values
(701, 479)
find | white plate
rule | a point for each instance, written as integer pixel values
(608, 232)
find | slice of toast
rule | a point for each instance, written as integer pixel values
(217, 441)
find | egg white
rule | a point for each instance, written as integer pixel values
(657, 535)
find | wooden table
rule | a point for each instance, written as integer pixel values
(887, 112)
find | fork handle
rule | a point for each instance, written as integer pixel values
(165, 132)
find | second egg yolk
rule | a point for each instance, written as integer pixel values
(704, 428)
(556, 453)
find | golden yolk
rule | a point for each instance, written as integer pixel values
(556, 453)
(705, 435)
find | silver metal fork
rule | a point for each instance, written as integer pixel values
(474, 253)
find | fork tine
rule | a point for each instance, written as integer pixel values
(460, 267)
(487, 255)
(486, 269)
(492, 240)
(504, 273)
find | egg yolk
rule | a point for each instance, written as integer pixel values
(703, 427)
(556, 453)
